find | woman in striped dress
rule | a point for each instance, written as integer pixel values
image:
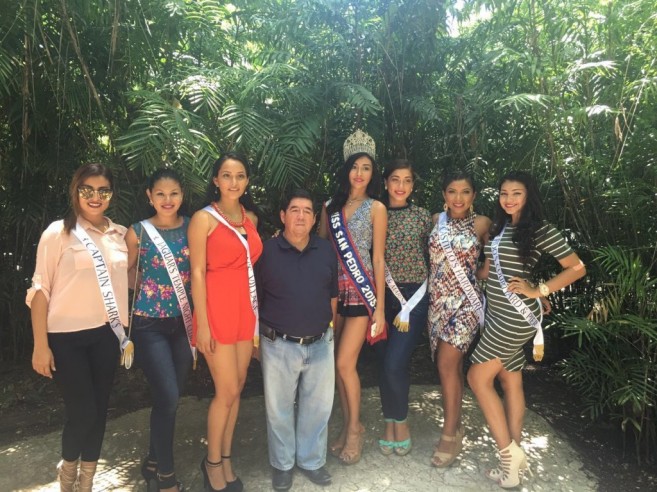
(519, 236)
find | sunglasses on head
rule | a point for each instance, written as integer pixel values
(87, 192)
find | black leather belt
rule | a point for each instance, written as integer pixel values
(272, 334)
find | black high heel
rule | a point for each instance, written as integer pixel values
(169, 481)
(206, 479)
(236, 485)
(149, 472)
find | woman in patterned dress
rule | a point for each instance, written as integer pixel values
(366, 221)
(407, 260)
(162, 346)
(453, 320)
(520, 234)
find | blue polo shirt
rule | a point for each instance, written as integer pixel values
(295, 287)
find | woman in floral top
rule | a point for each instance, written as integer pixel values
(162, 347)
(407, 261)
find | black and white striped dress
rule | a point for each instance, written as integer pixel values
(506, 331)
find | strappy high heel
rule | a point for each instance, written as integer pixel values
(512, 461)
(236, 485)
(206, 479)
(168, 482)
(496, 474)
(149, 472)
(349, 456)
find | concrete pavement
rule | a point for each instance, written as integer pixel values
(29, 464)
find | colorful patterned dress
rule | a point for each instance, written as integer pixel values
(359, 226)
(452, 318)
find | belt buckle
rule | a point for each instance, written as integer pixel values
(268, 333)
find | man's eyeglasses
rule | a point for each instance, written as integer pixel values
(87, 192)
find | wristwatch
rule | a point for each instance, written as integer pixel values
(544, 289)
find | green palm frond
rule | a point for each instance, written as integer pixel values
(164, 133)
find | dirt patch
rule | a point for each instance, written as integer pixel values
(30, 405)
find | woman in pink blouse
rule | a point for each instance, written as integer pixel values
(79, 303)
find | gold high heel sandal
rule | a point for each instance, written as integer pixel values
(348, 456)
(443, 459)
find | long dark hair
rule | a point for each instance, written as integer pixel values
(86, 171)
(339, 198)
(531, 215)
(390, 168)
(213, 194)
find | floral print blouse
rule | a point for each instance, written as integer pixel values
(407, 250)
(156, 297)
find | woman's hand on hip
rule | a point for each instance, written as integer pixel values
(519, 285)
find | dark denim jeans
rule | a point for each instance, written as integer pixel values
(162, 352)
(394, 354)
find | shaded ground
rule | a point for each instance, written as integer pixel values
(27, 465)
(30, 405)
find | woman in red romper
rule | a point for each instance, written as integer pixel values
(223, 312)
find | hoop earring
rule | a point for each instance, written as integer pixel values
(445, 208)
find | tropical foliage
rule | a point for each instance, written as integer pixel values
(565, 89)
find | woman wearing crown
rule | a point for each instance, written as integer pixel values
(356, 224)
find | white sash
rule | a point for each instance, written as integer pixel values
(401, 321)
(459, 273)
(252, 286)
(107, 293)
(176, 280)
(517, 303)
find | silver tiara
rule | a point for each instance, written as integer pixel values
(359, 141)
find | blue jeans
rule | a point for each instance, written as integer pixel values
(305, 374)
(162, 352)
(394, 354)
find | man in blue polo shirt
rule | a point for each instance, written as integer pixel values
(297, 280)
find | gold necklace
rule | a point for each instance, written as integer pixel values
(354, 200)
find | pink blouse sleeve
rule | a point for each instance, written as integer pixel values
(48, 253)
